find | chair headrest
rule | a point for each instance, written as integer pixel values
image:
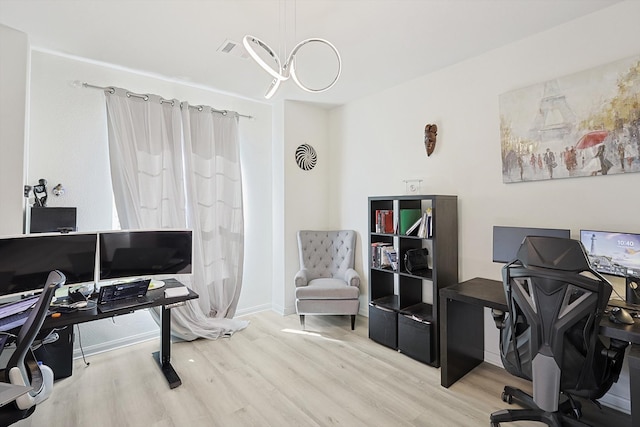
(556, 253)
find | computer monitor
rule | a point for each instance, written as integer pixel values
(27, 260)
(52, 219)
(616, 254)
(140, 253)
(507, 240)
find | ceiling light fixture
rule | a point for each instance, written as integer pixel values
(282, 72)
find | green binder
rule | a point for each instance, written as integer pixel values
(407, 218)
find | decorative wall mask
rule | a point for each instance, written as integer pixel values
(306, 157)
(430, 133)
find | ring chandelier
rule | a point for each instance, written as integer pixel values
(282, 72)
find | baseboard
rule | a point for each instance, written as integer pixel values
(114, 344)
(493, 358)
(253, 310)
(284, 311)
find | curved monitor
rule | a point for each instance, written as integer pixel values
(125, 254)
(616, 254)
(27, 260)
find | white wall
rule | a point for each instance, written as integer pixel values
(14, 92)
(304, 201)
(68, 144)
(381, 137)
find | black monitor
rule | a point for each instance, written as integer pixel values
(52, 219)
(27, 260)
(127, 254)
(616, 254)
(507, 240)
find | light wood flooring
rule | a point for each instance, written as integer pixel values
(272, 374)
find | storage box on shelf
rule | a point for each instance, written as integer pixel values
(403, 305)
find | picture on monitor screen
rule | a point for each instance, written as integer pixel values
(125, 254)
(617, 254)
(26, 261)
(507, 240)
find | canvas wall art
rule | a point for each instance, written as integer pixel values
(582, 125)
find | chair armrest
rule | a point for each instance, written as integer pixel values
(352, 278)
(301, 278)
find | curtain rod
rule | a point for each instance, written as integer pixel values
(145, 97)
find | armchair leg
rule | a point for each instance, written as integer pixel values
(302, 321)
(353, 322)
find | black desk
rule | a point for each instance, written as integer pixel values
(163, 357)
(462, 333)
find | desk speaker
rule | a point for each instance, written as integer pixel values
(632, 290)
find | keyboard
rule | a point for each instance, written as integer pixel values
(14, 321)
(15, 314)
(123, 304)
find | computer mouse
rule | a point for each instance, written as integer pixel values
(620, 315)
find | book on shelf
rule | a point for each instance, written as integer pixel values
(408, 217)
(429, 226)
(425, 227)
(414, 227)
(384, 221)
(378, 259)
(392, 257)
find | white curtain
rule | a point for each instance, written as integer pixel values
(175, 166)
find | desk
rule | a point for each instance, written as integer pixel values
(462, 333)
(10, 392)
(162, 357)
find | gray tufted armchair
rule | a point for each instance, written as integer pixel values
(327, 282)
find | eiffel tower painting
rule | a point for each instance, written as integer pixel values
(555, 119)
(579, 125)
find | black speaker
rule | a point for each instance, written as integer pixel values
(632, 290)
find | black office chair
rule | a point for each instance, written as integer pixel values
(550, 334)
(22, 367)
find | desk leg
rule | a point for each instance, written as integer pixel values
(634, 382)
(461, 339)
(163, 357)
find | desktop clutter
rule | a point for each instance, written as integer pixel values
(77, 299)
(114, 296)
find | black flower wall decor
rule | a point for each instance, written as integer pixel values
(306, 157)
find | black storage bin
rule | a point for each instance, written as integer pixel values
(415, 338)
(383, 325)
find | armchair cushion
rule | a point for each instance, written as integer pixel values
(326, 288)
